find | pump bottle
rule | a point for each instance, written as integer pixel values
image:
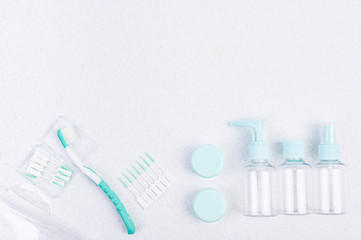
(259, 177)
(330, 175)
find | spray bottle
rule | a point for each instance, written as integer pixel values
(330, 175)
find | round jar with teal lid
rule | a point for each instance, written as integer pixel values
(207, 161)
(209, 205)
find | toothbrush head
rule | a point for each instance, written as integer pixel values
(67, 135)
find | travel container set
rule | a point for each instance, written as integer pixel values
(292, 188)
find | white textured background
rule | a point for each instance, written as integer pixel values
(167, 76)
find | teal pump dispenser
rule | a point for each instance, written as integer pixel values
(259, 177)
(258, 148)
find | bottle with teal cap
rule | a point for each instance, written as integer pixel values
(330, 175)
(294, 180)
(259, 177)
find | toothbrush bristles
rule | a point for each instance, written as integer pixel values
(69, 134)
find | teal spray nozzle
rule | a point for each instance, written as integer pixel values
(328, 149)
(258, 148)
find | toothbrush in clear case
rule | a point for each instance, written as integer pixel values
(68, 135)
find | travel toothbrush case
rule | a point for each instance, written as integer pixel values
(26, 213)
(47, 166)
(46, 170)
(84, 145)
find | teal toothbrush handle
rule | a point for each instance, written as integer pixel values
(119, 206)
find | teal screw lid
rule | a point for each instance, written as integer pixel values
(209, 205)
(207, 161)
(293, 149)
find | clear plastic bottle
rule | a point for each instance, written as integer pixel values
(259, 177)
(294, 180)
(259, 194)
(330, 175)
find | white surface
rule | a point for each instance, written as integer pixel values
(167, 76)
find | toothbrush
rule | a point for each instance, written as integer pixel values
(68, 135)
